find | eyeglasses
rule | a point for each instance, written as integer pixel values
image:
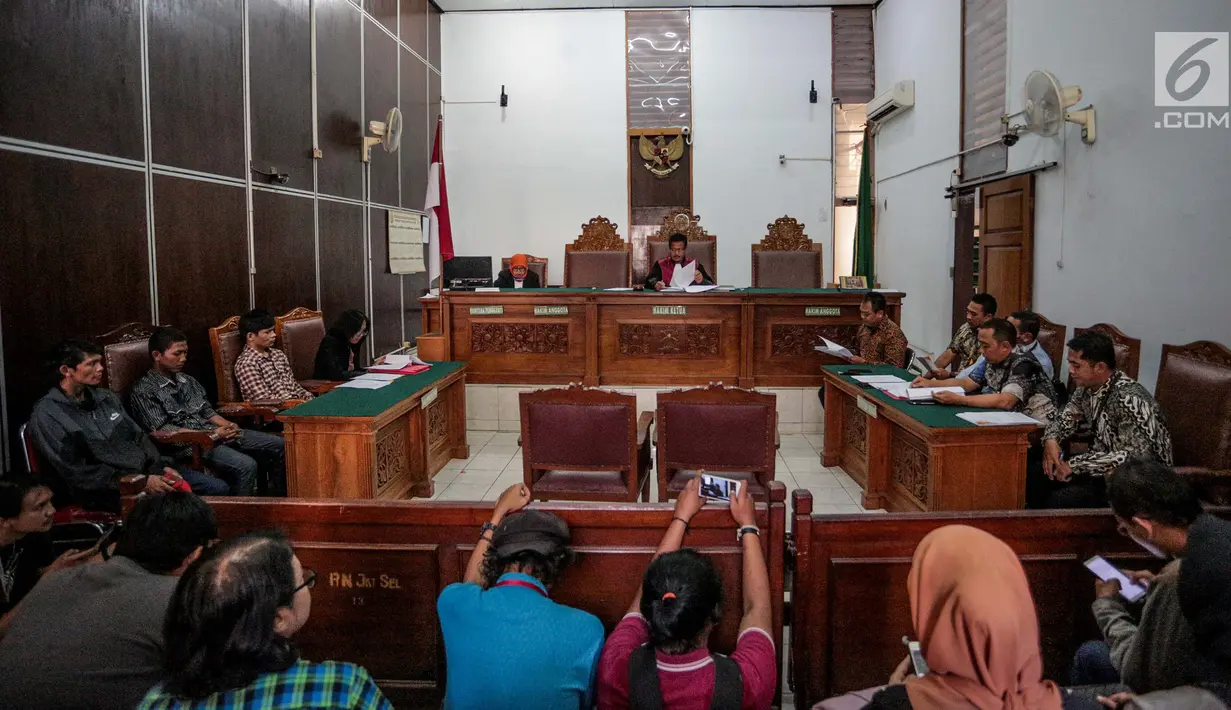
(309, 581)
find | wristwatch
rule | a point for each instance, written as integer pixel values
(486, 527)
(739, 535)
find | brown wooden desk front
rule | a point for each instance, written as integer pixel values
(911, 458)
(750, 337)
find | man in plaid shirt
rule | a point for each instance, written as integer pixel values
(262, 370)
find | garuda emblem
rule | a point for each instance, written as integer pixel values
(663, 157)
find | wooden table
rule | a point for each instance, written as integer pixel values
(911, 458)
(385, 443)
(747, 337)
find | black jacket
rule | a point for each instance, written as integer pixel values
(334, 357)
(505, 280)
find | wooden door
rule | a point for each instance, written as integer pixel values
(963, 256)
(1006, 242)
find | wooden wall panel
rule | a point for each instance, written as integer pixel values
(201, 242)
(58, 57)
(196, 66)
(433, 34)
(414, 287)
(285, 250)
(433, 106)
(380, 93)
(280, 67)
(341, 240)
(418, 130)
(54, 282)
(385, 11)
(413, 29)
(386, 312)
(339, 98)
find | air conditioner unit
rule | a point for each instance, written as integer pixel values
(892, 102)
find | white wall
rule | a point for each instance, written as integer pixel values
(751, 72)
(919, 40)
(525, 178)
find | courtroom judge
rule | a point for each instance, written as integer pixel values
(338, 356)
(660, 275)
(963, 350)
(1125, 419)
(518, 275)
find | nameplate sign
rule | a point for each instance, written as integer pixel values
(487, 310)
(822, 311)
(669, 310)
(428, 397)
(866, 407)
(360, 580)
(551, 310)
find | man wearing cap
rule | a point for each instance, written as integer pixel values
(518, 275)
(507, 644)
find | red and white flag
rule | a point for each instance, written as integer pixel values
(436, 205)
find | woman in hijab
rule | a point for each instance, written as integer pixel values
(338, 357)
(975, 621)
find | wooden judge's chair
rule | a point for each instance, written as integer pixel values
(224, 340)
(300, 333)
(1052, 337)
(1128, 350)
(702, 246)
(537, 264)
(126, 359)
(598, 258)
(1194, 393)
(584, 444)
(726, 431)
(787, 258)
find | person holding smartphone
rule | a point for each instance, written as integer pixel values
(658, 655)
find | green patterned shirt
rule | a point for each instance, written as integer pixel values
(303, 686)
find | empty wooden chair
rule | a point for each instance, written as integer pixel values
(584, 444)
(1194, 393)
(726, 431)
(787, 258)
(598, 258)
(1052, 339)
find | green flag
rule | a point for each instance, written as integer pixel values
(864, 256)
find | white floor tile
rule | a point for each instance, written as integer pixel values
(831, 496)
(445, 477)
(805, 464)
(786, 428)
(476, 476)
(482, 402)
(812, 412)
(465, 492)
(812, 428)
(510, 403)
(489, 462)
(457, 464)
(838, 509)
(482, 424)
(790, 408)
(817, 480)
(499, 450)
(505, 439)
(794, 442)
(479, 438)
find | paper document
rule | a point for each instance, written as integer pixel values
(487, 289)
(683, 275)
(999, 419)
(698, 288)
(361, 384)
(378, 377)
(832, 348)
(671, 289)
(619, 288)
(916, 394)
(394, 363)
(879, 379)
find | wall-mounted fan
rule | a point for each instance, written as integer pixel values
(1046, 108)
(387, 133)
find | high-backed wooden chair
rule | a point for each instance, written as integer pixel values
(126, 359)
(584, 444)
(1128, 350)
(224, 340)
(1052, 339)
(1194, 392)
(598, 258)
(787, 258)
(300, 333)
(702, 246)
(537, 264)
(726, 431)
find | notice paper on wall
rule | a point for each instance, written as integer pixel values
(405, 242)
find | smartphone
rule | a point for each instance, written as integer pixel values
(1106, 571)
(916, 657)
(719, 488)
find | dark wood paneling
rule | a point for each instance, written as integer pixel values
(280, 61)
(196, 61)
(341, 240)
(433, 107)
(380, 93)
(285, 251)
(54, 281)
(433, 34)
(649, 191)
(414, 287)
(418, 130)
(386, 288)
(414, 25)
(339, 98)
(201, 240)
(386, 11)
(70, 74)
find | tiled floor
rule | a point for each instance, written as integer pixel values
(495, 464)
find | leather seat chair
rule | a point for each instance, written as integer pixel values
(584, 444)
(787, 258)
(728, 432)
(1052, 337)
(224, 340)
(300, 333)
(1194, 393)
(598, 258)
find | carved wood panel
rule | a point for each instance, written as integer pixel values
(1205, 351)
(908, 463)
(392, 456)
(855, 428)
(797, 340)
(786, 234)
(675, 339)
(599, 234)
(437, 423)
(532, 338)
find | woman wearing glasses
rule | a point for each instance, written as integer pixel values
(228, 636)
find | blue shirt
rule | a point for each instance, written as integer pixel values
(513, 647)
(976, 371)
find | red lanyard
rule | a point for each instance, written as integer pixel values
(520, 583)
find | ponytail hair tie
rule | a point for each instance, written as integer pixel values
(668, 595)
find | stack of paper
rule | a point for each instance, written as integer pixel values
(699, 288)
(878, 380)
(401, 365)
(683, 275)
(832, 348)
(999, 419)
(917, 394)
(361, 384)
